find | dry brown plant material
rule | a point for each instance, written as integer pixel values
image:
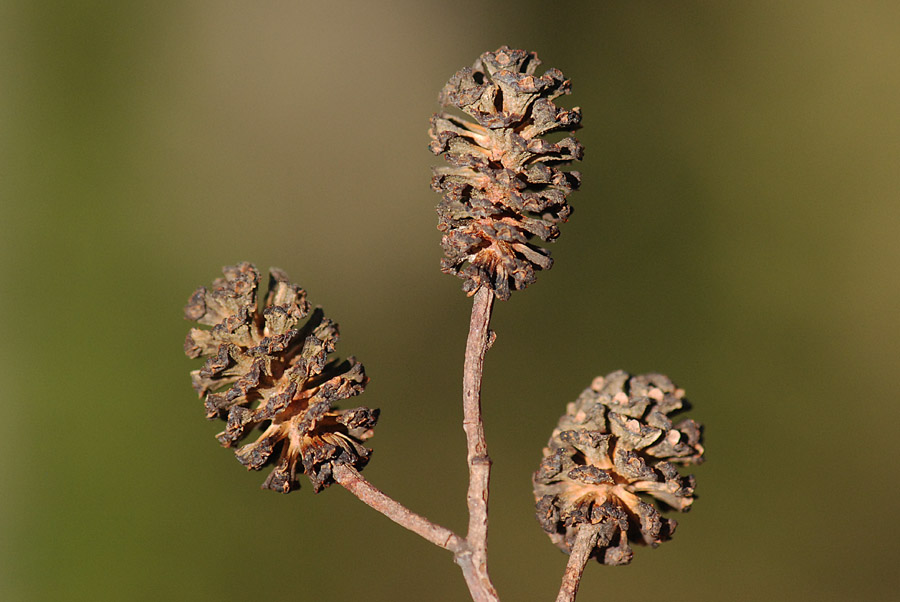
(504, 186)
(271, 370)
(616, 446)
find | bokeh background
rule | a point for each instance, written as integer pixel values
(737, 229)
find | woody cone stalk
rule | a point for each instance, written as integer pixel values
(504, 186)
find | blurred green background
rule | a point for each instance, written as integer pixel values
(737, 230)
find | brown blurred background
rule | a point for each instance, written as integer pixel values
(737, 229)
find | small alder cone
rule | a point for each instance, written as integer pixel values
(504, 186)
(270, 370)
(616, 446)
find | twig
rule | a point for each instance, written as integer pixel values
(477, 456)
(357, 484)
(470, 553)
(581, 551)
(442, 537)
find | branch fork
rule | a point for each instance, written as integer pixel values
(470, 553)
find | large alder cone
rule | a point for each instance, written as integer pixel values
(268, 370)
(613, 453)
(504, 187)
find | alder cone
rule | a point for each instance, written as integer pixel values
(613, 451)
(271, 370)
(504, 187)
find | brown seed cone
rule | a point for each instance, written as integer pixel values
(267, 370)
(504, 186)
(613, 451)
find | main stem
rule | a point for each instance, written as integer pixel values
(477, 455)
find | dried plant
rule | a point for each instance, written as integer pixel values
(613, 454)
(269, 370)
(615, 443)
(504, 186)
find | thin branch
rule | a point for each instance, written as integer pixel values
(358, 485)
(470, 553)
(581, 551)
(370, 495)
(477, 455)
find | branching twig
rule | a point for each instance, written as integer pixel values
(470, 553)
(581, 551)
(477, 456)
(355, 483)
